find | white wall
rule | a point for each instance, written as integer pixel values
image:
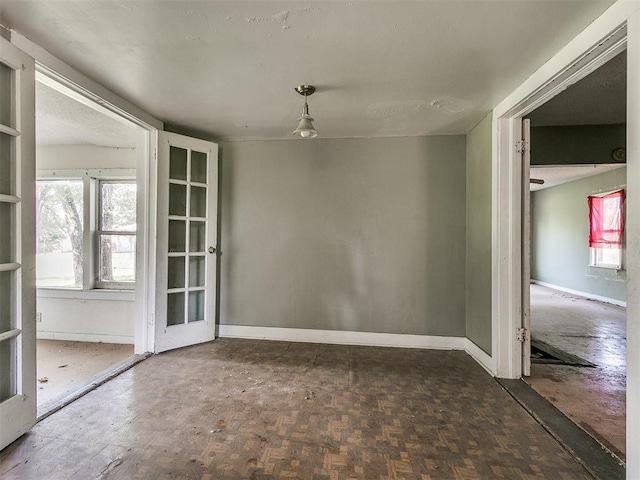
(78, 157)
(86, 316)
(94, 315)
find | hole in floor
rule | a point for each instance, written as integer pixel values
(542, 352)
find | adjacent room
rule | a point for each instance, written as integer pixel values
(85, 231)
(578, 257)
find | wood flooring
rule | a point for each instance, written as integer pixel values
(258, 410)
(594, 398)
(66, 365)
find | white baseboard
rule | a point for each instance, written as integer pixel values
(86, 337)
(483, 358)
(370, 339)
(590, 296)
(341, 337)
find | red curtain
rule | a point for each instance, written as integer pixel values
(606, 220)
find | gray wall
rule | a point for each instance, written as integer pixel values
(478, 234)
(560, 237)
(569, 145)
(344, 234)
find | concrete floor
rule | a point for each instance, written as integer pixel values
(68, 365)
(594, 398)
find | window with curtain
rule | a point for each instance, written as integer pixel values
(606, 229)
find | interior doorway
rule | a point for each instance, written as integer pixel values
(578, 300)
(86, 204)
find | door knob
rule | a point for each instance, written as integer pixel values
(212, 249)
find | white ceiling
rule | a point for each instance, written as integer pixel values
(61, 120)
(384, 68)
(557, 175)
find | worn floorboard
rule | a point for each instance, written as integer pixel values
(594, 398)
(243, 409)
(67, 365)
(598, 461)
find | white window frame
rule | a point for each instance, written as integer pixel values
(99, 232)
(594, 252)
(90, 180)
(61, 179)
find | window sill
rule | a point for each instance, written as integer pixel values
(95, 294)
(607, 267)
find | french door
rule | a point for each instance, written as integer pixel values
(186, 256)
(17, 255)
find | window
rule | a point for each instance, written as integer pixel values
(66, 228)
(116, 234)
(59, 244)
(606, 228)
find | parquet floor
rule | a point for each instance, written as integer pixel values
(242, 409)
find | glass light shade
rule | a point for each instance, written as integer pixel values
(305, 128)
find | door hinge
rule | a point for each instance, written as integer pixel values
(522, 334)
(521, 146)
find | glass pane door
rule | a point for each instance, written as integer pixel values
(186, 247)
(17, 293)
(187, 233)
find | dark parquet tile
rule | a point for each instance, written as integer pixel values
(241, 409)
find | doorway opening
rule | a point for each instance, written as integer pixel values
(86, 205)
(578, 304)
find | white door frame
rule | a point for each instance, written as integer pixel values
(618, 28)
(145, 205)
(601, 41)
(90, 93)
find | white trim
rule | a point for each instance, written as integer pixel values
(146, 214)
(96, 294)
(85, 337)
(483, 358)
(76, 83)
(600, 41)
(506, 243)
(73, 83)
(10, 334)
(9, 199)
(601, 28)
(9, 131)
(342, 337)
(9, 267)
(109, 174)
(596, 44)
(633, 246)
(590, 296)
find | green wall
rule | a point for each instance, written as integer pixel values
(478, 235)
(344, 234)
(569, 145)
(560, 237)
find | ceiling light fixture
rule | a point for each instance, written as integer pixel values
(305, 127)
